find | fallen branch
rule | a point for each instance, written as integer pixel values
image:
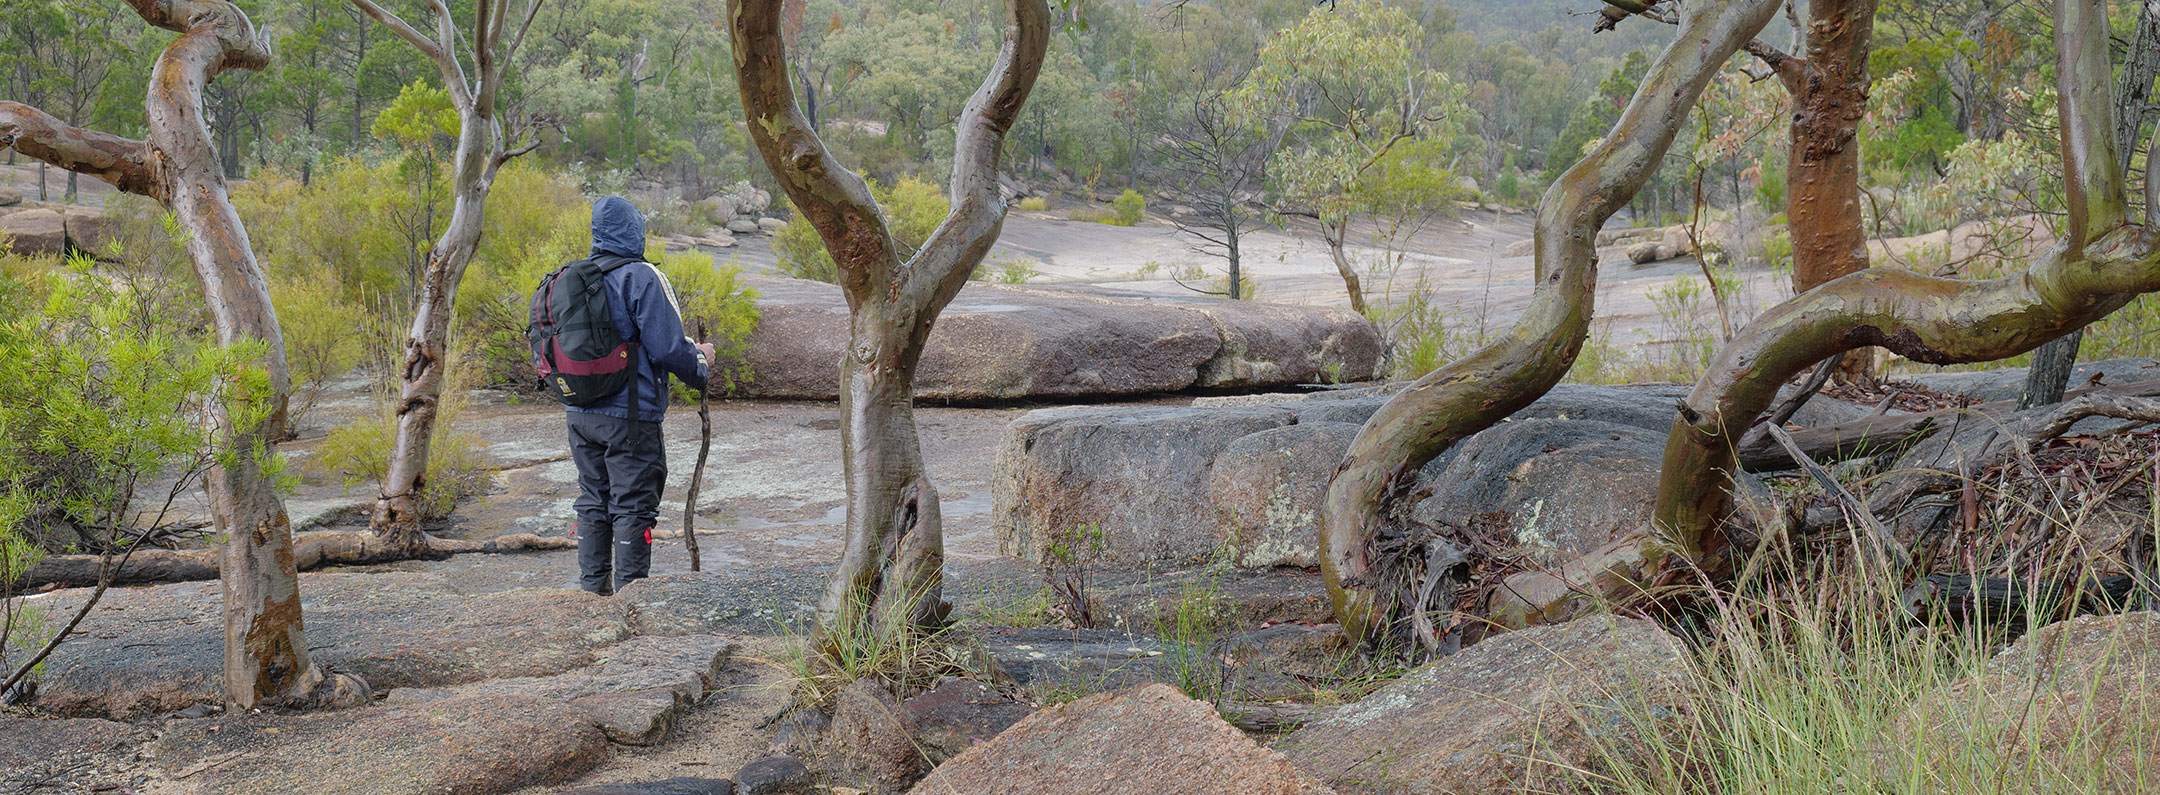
(1883, 433)
(1889, 554)
(1992, 440)
(310, 551)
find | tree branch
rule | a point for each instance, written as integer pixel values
(1790, 70)
(123, 162)
(427, 46)
(1470, 394)
(832, 199)
(950, 253)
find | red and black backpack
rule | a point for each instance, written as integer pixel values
(580, 355)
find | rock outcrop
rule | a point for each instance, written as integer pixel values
(2077, 695)
(1005, 342)
(485, 692)
(1541, 710)
(1146, 739)
(35, 231)
(1245, 476)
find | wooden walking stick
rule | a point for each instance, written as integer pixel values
(697, 474)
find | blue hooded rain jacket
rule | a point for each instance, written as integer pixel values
(645, 312)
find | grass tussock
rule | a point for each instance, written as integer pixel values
(886, 648)
(1825, 683)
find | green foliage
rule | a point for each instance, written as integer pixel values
(100, 393)
(1592, 119)
(913, 209)
(1193, 632)
(1068, 569)
(416, 121)
(1128, 208)
(536, 222)
(884, 648)
(801, 253)
(322, 338)
(359, 452)
(1509, 187)
(714, 299)
(1821, 682)
(1420, 336)
(1016, 270)
(1034, 204)
(336, 247)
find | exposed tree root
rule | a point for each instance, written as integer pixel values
(310, 551)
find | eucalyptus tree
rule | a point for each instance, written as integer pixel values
(266, 650)
(2103, 261)
(1375, 589)
(892, 564)
(1351, 85)
(481, 150)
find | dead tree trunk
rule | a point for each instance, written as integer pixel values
(1476, 391)
(2101, 265)
(480, 154)
(892, 567)
(266, 652)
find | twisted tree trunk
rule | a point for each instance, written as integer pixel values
(892, 567)
(1471, 394)
(480, 154)
(266, 652)
(2101, 265)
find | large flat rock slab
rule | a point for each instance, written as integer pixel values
(633, 693)
(145, 651)
(1541, 710)
(65, 755)
(1129, 481)
(472, 745)
(1006, 342)
(1245, 477)
(1147, 739)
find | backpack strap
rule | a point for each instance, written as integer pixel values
(609, 263)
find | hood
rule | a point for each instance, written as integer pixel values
(617, 228)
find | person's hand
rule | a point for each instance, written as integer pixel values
(706, 349)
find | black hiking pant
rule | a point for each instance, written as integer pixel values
(621, 467)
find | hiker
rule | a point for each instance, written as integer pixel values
(621, 460)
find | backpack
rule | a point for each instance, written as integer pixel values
(581, 357)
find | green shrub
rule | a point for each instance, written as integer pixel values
(23, 628)
(1128, 208)
(1017, 270)
(913, 209)
(1035, 204)
(324, 338)
(536, 222)
(715, 299)
(359, 452)
(801, 253)
(101, 394)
